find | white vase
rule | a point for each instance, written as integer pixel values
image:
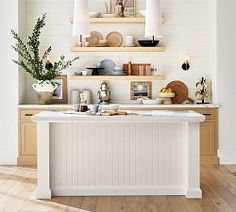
(44, 91)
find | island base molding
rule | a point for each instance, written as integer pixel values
(43, 194)
(118, 158)
(80, 191)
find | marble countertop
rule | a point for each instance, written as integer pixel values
(122, 106)
(141, 116)
(45, 107)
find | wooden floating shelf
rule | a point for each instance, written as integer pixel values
(140, 78)
(117, 49)
(117, 20)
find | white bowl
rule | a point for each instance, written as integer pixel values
(108, 15)
(84, 73)
(118, 68)
(142, 12)
(151, 102)
(94, 14)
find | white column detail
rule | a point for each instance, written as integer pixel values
(193, 161)
(43, 149)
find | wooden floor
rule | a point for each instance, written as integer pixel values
(17, 185)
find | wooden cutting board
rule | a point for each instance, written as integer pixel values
(105, 113)
(135, 68)
(181, 92)
(114, 113)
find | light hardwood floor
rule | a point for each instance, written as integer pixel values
(17, 185)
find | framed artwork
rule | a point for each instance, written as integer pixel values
(60, 94)
(123, 8)
(140, 89)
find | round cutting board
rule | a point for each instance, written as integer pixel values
(181, 92)
(114, 39)
(94, 38)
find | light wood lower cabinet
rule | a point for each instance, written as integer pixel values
(27, 154)
(27, 147)
(28, 138)
(209, 136)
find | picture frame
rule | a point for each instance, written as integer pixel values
(129, 8)
(140, 89)
(60, 94)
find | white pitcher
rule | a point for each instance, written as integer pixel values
(44, 87)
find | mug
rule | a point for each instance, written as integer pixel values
(128, 41)
(84, 72)
(94, 108)
(75, 107)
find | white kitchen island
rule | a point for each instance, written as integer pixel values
(153, 153)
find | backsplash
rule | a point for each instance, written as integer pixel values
(185, 31)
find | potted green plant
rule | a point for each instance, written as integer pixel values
(34, 64)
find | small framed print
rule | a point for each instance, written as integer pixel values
(60, 94)
(140, 89)
(123, 8)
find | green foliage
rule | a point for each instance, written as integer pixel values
(30, 59)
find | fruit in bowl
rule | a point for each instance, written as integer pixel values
(166, 94)
(166, 90)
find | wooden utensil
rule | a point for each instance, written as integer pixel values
(181, 92)
(94, 38)
(114, 39)
(104, 113)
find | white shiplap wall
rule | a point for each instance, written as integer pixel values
(186, 31)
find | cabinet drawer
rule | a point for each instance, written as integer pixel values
(208, 113)
(26, 115)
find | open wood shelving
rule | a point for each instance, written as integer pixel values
(119, 20)
(109, 78)
(117, 49)
(115, 20)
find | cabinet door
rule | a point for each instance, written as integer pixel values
(207, 137)
(28, 145)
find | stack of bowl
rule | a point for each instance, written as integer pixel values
(118, 71)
